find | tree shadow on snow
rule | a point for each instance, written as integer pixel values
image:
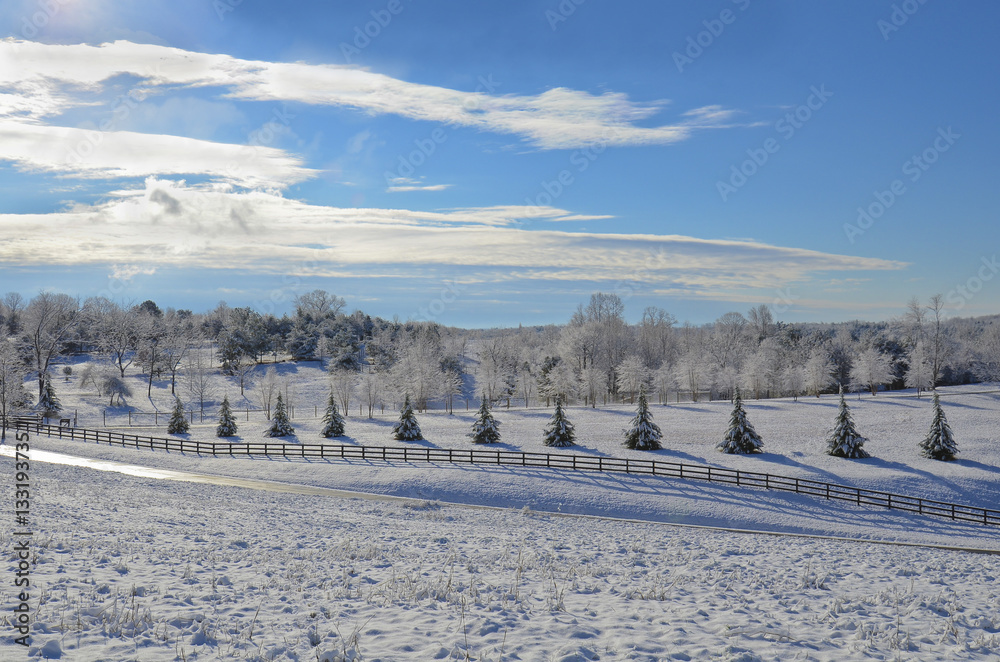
(784, 460)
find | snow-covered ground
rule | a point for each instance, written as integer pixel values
(145, 569)
(141, 569)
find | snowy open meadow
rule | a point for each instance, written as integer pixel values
(269, 559)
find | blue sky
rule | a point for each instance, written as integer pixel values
(490, 164)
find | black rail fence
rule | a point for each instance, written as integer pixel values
(857, 495)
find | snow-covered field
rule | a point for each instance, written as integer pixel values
(135, 568)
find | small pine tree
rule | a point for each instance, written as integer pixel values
(940, 442)
(227, 423)
(844, 439)
(333, 421)
(644, 435)
(485, 430)
(280, 425)
(178, 424)
(559, 431)
(407, 429)
(48, 405)
(740, 437)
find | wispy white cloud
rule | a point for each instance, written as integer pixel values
(94, 154)
(170, 224)
(403, 184)
(558, 118)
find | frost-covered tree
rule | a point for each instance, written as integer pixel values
(48, 324)
(178, 423)
(939, 444)
(333, 420)
(844, 439)
(818, 372)
(740, 437)
(48, 405)
(485, 429)
(280, 425)
(13, 396)
(643, 434)
(227, 423)
(871, 369)
(559, 432)
(633, 376)
(920, 373)
(406, 428)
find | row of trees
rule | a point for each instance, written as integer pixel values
(597, 357)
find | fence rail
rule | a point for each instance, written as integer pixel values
(857, 495)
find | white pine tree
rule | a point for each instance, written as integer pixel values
(406, 428)
(741, 436)
(939, 444)
(280, 425)
(844, 439)
(559, 432)
(643, 434)
(178, 424)
(227, 423)
(333, 420)
(485, 429)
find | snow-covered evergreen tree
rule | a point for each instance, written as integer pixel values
(844, 439)
(178, 424)
(559, 432)
(485, 429)
(740, 437)
(940, 442)
(333, 420)
(280, 425)
(48, 405)
(227, 423)
(644, 434)
(406, 428)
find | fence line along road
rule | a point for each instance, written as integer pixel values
(857, 495)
